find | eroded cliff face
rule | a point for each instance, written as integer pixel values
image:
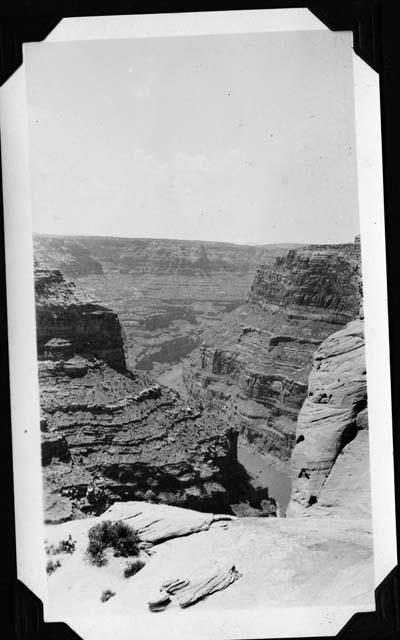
(316, 282)
(70, 321)
(330, 462)
(109, 434)
(259, 358)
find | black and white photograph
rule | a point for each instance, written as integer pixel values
(207, 347)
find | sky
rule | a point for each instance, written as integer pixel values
(246, 138)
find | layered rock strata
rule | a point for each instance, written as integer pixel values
(70, 321)
(259, 358)
(109, 434)
(165, 292)
(316, 282)
(330, 462)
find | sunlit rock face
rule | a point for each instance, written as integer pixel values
(330, 462)
(282, 563)
(259, 357)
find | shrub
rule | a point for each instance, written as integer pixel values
(52, 566)
(115, 535)
(133, 567)
(106, 595)
(64, 546)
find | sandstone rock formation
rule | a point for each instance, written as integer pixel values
(156, 523)
(330, 462)
(258, 359)
(283, 562)
(189, 589)
(109, 434)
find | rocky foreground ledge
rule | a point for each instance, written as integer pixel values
(277, 562)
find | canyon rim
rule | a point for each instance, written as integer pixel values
(201, 352)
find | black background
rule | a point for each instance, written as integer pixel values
(375, 36)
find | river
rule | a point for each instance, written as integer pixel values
(265, 470)
(264, 473)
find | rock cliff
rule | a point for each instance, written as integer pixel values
(320, 281)
(259, 358)
(110, 434)
(70, 321)
(330, 462)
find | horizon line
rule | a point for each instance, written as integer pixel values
(239, 244)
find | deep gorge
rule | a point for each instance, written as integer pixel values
(231, 330)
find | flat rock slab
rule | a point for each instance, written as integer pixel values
(155, 523)
(296, 562)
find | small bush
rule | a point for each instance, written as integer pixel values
(115, 535)
(52, 566)
(133, 567)
(106, 595)
(64, 546)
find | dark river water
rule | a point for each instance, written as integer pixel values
(265, 474)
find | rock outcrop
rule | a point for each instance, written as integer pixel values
(259, 357)
(192, 587)
(330, 462)
(283, 562)
(70, 321)
(109, 434)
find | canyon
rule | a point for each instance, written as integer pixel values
(223, 338)
(267, 416)
(165, 292)
(110, 434)
(257, 361)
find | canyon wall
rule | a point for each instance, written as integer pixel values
(259, 357)
(316, 282)
(109, 434)
(70, 321)
(330, 462)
